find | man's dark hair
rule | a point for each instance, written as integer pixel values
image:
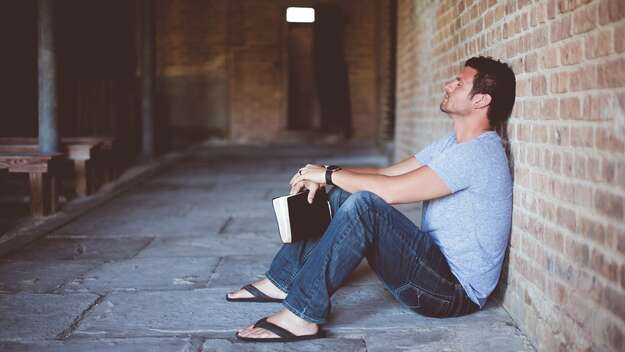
(496, 79)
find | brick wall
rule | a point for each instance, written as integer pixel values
(564, 280)
(222, 66)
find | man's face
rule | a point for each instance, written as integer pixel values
(457, 99)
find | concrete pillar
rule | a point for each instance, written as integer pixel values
(48, 104)
(147, 86)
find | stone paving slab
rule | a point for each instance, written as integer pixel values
(40, 316)
(327, 344)
(173, 273)
(205, 312)
(255, 224)
(445, 339)
(257, 208)
(165, 226)
(202, 312)
(39, 276)
(101, 345)
(211, 245)
(63, 249)
(240, 270)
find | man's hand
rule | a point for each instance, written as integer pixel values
(312, 188)
(314, 173)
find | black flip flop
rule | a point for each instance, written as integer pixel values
(259, 296)
(285, 335)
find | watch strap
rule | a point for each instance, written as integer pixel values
(330, 169)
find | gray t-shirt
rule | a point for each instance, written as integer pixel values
(472, 224)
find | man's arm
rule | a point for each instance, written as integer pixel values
(400, 168)
(417, 185)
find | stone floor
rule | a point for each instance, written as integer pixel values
(148, 270)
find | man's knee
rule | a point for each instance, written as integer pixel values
(362, 200)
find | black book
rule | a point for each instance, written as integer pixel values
(299, 220)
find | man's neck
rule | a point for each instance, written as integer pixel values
(467, 128)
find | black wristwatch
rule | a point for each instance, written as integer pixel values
(329, 170)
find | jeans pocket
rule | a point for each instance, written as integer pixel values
(423, 301)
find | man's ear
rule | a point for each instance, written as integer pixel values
(481, 101)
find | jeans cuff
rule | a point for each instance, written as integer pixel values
(276, 283)
(302, 314)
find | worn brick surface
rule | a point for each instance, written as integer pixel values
(567, 137)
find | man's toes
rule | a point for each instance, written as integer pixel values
(261, 333)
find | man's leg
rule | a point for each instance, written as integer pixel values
(291, 257)
(405, 258)
(414, 270)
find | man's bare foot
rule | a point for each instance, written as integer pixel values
(265, 286)
(284, 319)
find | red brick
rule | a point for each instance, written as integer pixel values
(539, 85)
(549, 108)
(560, 29)
(609, 140)
(561, 136)
(570, 108)
(611, 74)
(619, 34)
(622, 276)
(539, 134)
(565, 6)
(556, 163)
(531, 62)
(608, 169)
(591, 229)
(609, 204)
(604, 266)
(613, 301)
(566, 217)
(594, 169)
(584, 78)
(557, 292)
(559, 82)
(554, 239)
(550, 58)
(551, 9)
(615, 238)
(611, 11)
(579, 170)
(596, 107)
(615, 336)
(582, 136)
(585, 19)
(600, 44)
(571, 53)
(567, 164)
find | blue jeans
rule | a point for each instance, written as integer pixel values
(364, 225)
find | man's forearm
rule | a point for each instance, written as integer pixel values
(352, 182)
(364, 170)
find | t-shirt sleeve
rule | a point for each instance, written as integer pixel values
(426, 154)
(455, 166)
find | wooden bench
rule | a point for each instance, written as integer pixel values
(43, 175)
(91, 156)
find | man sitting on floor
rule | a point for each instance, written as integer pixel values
(446, 268)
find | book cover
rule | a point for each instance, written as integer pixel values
(299, 220)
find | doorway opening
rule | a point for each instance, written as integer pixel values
(318, 89)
